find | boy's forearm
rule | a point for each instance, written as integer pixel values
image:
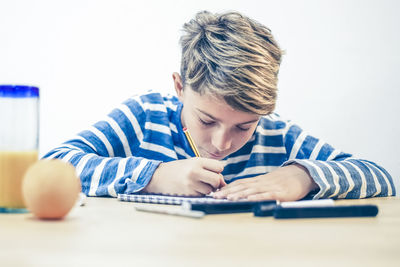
(311, 184)
(107, 176)
(350, 178)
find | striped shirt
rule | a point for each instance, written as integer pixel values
(120, 153)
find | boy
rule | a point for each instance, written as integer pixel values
(226, 94)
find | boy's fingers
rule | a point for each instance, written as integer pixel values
(223, 192)
(245, 193)
(203, 188)
(212, 165)
(234, 188)
(222, 182)
(211, 178)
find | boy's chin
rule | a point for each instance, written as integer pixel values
(214, 156)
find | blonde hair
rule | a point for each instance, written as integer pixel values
(231, 56)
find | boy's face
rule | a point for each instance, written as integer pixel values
(216, 128)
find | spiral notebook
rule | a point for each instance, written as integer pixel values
(172, 199)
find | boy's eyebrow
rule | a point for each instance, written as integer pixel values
(213, 118)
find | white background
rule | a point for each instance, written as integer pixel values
(339, 78)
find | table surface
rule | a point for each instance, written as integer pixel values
(108, 232)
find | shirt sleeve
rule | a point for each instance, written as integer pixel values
(338, 174)
(104, 154)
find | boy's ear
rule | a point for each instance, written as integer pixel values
(178, 84)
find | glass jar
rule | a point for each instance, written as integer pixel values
(19, 140)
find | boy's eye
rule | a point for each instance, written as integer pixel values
(243, 129)
(206, 122)
(209, 123)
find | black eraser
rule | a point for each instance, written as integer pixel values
(326, 212)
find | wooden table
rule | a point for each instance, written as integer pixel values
(107, 232)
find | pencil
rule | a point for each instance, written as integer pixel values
(171, 211)
(196, 152)
(191, 143)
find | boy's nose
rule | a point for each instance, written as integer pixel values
(221, 140)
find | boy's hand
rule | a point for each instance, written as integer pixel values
(287, 183)
(195, 177)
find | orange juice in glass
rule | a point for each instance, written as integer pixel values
(19, 134)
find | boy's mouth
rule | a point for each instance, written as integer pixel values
(215, 155)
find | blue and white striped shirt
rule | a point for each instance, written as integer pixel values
(120, 153)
